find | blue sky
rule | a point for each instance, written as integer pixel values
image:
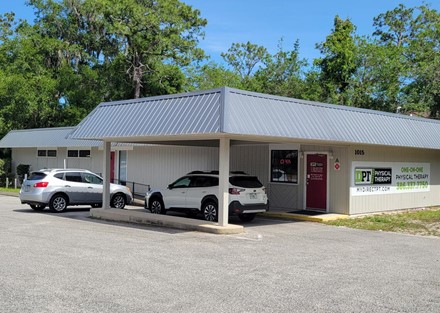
(265, 22)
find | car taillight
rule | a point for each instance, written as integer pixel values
(41, 184)
(235, 191)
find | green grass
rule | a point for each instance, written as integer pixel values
(421, 222)
(9, 189)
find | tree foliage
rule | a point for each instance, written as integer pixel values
(339, 61)
(78, 53)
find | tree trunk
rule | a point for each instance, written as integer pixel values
(137, 76)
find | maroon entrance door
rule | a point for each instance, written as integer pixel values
(112, 166)
(316, 182)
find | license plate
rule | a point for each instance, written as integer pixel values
(26, 188)
(252, 196)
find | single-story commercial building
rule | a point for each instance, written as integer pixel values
(309, 155)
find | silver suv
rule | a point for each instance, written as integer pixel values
(198, 192)
(59, 188)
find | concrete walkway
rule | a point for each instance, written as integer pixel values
(304, 217)
(141, 216)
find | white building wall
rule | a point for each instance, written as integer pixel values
(252, 159)
(29, 156)
(158, 166)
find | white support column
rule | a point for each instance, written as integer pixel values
(106, 175)
(223, 201)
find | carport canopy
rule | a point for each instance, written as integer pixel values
(224, 116)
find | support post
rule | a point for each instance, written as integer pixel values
(223, 201)
(106, 175)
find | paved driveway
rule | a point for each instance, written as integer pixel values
(70, 263)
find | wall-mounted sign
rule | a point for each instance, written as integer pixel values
(372, 178)
(337, 165)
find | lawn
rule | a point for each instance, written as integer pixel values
(9, 189)
(424, 222)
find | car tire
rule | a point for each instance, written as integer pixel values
(246, 217)
(58, 203)
(118, 201)
(210, 211)
(37, 207)
(157, 206)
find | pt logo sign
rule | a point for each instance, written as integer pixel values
(373, 176)
(363, 176)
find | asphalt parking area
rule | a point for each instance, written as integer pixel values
(70, 263)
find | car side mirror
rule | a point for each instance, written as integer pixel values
(170, 186)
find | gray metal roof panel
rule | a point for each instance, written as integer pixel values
(264, 115)
(189, 113)
(44, 137)
(233, 111)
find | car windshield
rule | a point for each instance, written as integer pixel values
(36, 176)
(245, 181)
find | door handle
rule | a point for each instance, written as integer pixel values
(89, 187)
(66, 185)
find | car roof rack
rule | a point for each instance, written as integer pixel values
(217, 172)
(197, 172)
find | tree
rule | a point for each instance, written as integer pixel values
(244, 57)
(138, 34)
(211, 75)
(282, 72)
(79, 53)
(339, 61)
(424, 58)
(28, 91)
(394, 27)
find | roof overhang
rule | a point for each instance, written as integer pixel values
(201, 118)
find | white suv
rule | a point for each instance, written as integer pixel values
(198, 192)
(59, 188)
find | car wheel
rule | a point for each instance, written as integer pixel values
(246, 217)
(58, 203)
(118, 201)
(156, 206)
(210, 212)
(37, 207)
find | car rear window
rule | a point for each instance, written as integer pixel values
(245, 181)
(36, 176)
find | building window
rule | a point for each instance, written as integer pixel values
(284, 166)
(84, 153)
(78, 153)
(46, 153)
(52, 153)
(72, 153)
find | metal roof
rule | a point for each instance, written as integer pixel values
(44, 138)
(241, 113)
